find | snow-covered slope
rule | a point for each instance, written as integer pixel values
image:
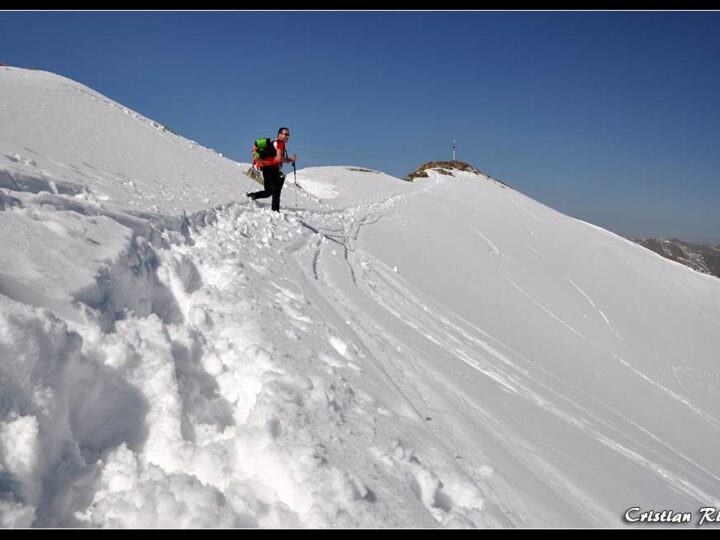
(446, 352)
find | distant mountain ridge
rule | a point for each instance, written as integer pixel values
(700, 257)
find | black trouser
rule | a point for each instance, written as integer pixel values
(273, 180)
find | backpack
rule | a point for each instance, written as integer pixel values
(263, 149)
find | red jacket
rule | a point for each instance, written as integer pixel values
(273, 161)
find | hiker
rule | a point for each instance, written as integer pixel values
(271, 167)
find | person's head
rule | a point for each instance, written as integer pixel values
(283, 134)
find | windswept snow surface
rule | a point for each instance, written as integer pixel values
(442, 353)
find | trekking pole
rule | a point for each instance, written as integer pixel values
(295, 182)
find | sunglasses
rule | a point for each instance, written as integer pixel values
(285, 133)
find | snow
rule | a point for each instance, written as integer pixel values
(439, 353)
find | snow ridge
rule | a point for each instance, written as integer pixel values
(438, 353)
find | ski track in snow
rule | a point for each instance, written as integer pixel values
(538, 304)
(595, 307)
(673, 395)
(522, 207)
(356, 263)
(495, 252)
(494, 249)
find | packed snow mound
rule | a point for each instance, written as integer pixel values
(61, 137)
(347, 185)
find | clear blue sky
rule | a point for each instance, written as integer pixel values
(610, 117)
